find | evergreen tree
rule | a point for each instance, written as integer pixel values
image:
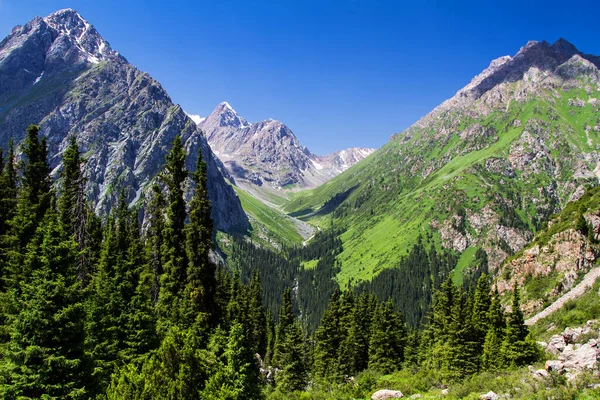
(286, 319)
(201, 282)
(256, 314)
(491, 358)
(173, 280)
(293, 375)
(154, 239)
(517, 348)
(328, 340)
(76, 215)
(45, 356)
(354, 353)
(388, 337)
(239, 378)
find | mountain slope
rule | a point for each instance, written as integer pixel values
(58, 72)
(482, 170)
(267, 153)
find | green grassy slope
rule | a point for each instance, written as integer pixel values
(268, 222)
(429, 176)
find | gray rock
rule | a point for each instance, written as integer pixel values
(59, 72)
(489, 396)
(556, 345)
(387, 394)
(268, 152)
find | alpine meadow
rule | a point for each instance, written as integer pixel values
(150, 253)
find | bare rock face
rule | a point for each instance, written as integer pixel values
(574, 351)
(59, 72)
(387, 394)
(268, 152)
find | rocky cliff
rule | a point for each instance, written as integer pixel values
(268, 152)
(59, 72)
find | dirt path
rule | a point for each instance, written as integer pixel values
(588, 281)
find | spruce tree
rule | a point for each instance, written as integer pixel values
(257, 317)
(45, 356)
(328, 340)
(491, 358)
(173, 280)
(154, 239)
(76, 215)
(388, 338)
(293, 375)
(517, 347)
(201, 281)
(239, 377)
(286, 319)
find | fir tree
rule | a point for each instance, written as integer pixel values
(517, 348)
(238, 379)
(45, 356)
(388, 337)
(328, 340)
(173, 280)
(201, 282)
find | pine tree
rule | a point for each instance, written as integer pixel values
(201, 281)
(172, 282)
(517, 347)
(388, 337)
(293, 375)
(239, 378)
(328, 340)
(154, 239)
(45, 355)
(491, 358)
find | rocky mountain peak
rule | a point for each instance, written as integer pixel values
(565, 47)
(60, 73)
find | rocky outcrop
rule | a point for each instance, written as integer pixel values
(387, 394)
(574, 350)
(59, 72)
(268, 152)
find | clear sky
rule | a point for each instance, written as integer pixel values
(339, 73)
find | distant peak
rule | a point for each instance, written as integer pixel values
(226, 105)
(565, 47)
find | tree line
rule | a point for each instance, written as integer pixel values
(111, 309)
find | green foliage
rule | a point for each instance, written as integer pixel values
(45, 353)
(388, 337)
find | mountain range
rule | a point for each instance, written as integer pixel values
(58, 72)
(482, 171)
(268, 153)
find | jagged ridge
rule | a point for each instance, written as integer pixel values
(58, 72)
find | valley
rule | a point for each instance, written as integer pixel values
(150, 253)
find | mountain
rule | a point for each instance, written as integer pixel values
(59, 72)
(267, 153)
(482, 171)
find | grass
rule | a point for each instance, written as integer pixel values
(465, 260)
(279, 225)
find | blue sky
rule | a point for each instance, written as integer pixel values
(339, 73)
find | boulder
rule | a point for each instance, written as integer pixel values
(554, 366)
(556, 345)
(581, 357)
(489, 396)
(416, 396)
(387, 394)
(445, 392)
